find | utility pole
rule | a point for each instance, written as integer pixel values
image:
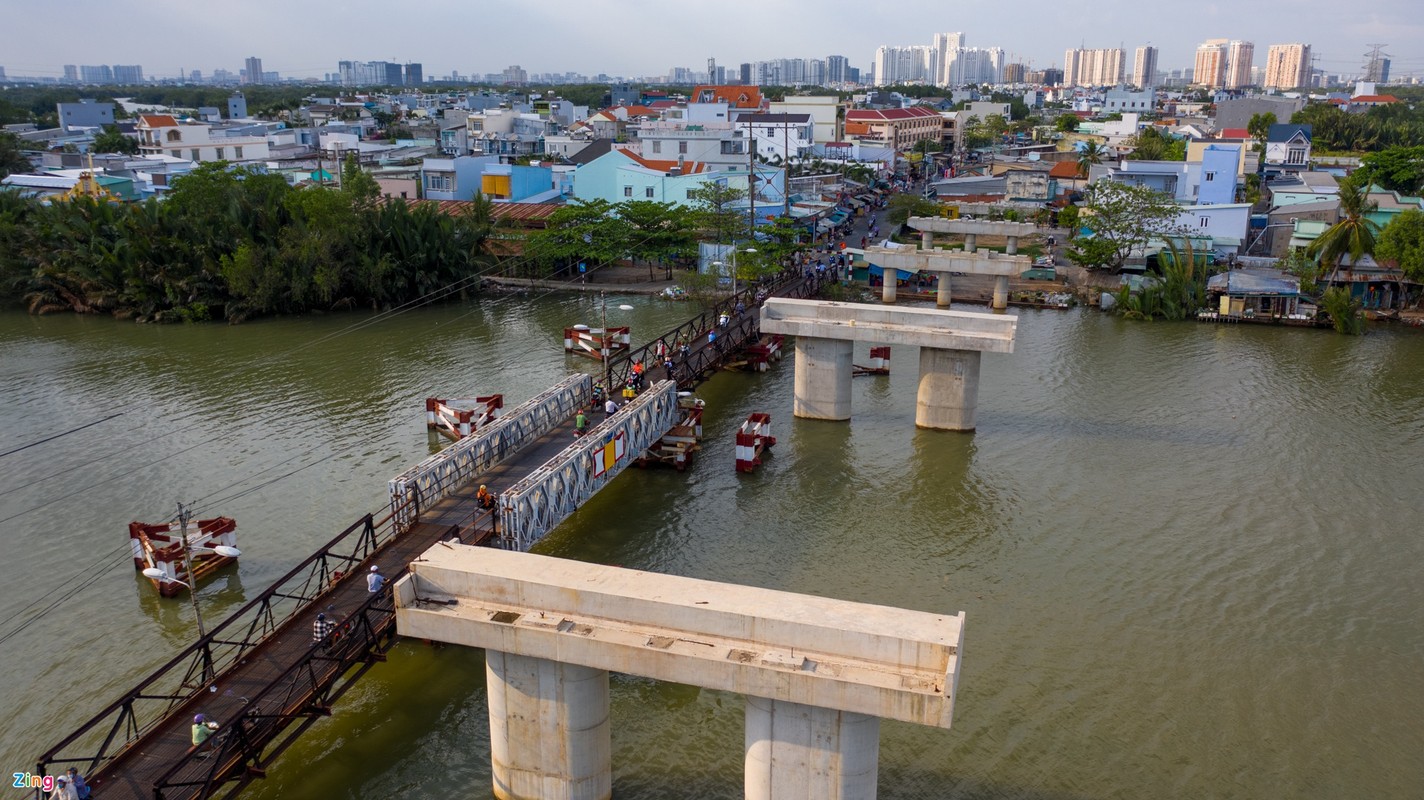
(603, 345)
(183, 516)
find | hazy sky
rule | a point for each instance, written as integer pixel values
(647, 37)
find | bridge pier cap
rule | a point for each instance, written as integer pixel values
(910, 327)
(832, 654)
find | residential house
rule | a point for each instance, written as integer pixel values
(1237, 112)
(739, 99)
(778, 138)
(1219, 172)
(161, 134)
(1288, 147)
(1196, 151)
(824, 111)
(1179, 179)
(1121, 101)
(459, 178)
(1282, 222)
(620, 175)
(1302, 187)
(1255, 294)
(1226, 224)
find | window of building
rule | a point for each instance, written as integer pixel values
(682, 147)
(221, 155)
(657, 146)
(1296, 155)
(177, 153)
(689, 194)
(627, 191)
(648, 191)
(237, 153)
(197, 154)
(174, 136)
(1208, 177)
(1203, 221)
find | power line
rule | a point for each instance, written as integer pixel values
(59, 435)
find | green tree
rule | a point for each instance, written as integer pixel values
(357, 184)
(1123, 219)
(904, 205)
(719, 211)
(1399, 169)
(1068, 218)
(1353, 235)
(1402, 243)
(1066, 123)
(112, 140)
(12, 158)
(1260, 128)
(1343, 310)
(656, 231)
(1092, 152)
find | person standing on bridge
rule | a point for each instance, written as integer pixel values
(80, 787)
(321, 628)
(580, 423)
(375, 580)
(610, 407)
(486, 501)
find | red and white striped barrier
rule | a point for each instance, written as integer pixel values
(879, 362)
(761, 355)
(461, 417)
(752, 439)
(587, 341)
(161, 546)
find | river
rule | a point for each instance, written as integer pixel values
(1189, 555)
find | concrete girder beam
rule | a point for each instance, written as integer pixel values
(972, 227)
(942, 261)
(916, 327)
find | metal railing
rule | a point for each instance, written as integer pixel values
(742, 328)
(187, 676)
(435, 477)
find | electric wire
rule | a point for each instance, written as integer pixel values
(60, 435)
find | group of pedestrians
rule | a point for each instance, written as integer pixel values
(70, 786)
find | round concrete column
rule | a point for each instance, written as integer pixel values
(926, 240)
(969, 242)
(891, 278)
(1001, 292)
(942, 295)
(549, 731)
(949, 389)
(800, 752)
(1013, 245)
(823, 374)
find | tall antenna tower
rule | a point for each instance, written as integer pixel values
(1377, 63)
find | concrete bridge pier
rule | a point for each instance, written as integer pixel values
(801, 752)
(823, 375)
(891, 278)
(949, 389)
(942, 293)
(926, 240)
(1001, 293)
(970, 242)
(549, 729)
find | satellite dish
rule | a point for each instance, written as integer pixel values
(155, 573)
(227, 551)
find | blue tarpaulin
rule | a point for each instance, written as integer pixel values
(902, 274)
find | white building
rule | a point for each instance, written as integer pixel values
(1101, 67)
(1287, 66)
(161, 134)
(1144, 67)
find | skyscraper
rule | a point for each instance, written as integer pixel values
(253, 65)
(71, 73)
(128, 74)
(1103, 67)
(836, 68)
(414, 74)
(1210, 69)
(1287, 66)
(945, 46)
(1144, 67)
(1239, 56)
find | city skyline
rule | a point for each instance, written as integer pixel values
(585, 37)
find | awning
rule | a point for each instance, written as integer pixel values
(901, 274)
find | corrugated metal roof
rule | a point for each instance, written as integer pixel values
(1254, 282)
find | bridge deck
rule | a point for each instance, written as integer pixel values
(164, 749)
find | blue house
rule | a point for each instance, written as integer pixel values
(1218, 174)
(620, 175)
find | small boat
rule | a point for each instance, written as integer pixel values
(158, 551)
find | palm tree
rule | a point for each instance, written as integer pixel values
(1354, 234)
(1092, 153)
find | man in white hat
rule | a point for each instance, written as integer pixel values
(375, 580)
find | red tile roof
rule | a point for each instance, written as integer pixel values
(158, 120)
(1375, 98)
(888, 114)
(688, 167)
(1234, 133)
(1064, 169)
(734, 96)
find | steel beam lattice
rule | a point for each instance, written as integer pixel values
(442, 473)
(548, 495)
